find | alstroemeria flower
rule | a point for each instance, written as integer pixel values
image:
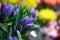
(3, 4)
(7, 8)
(27, 21)
(33, 11)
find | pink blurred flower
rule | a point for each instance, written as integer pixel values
(52, 29)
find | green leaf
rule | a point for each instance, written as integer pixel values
(1, 37)
(19, 15)
(3, 26)
(9, 24)
(36, 26)
(10, 19)
(19, 35)
(10, 31)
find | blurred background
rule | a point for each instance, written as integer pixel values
(48, 18)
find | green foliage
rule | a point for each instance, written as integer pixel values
(19, 35)
(19, 15)
(3, 26)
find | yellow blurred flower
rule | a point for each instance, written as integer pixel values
(47, 14)
(31, 3)
(12, 1)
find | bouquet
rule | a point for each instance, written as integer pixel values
(16, 21)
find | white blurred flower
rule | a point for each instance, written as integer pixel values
(33, 33)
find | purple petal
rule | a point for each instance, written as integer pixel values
(15, 12)
(29, 25)
(33, 11)
(9, 38)
(20, 28)
(25, 18)
(27, 21)
(3, 4)
(14, 28)
(7, 9)
(15, 38)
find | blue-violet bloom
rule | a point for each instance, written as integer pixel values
(27, 21)
(15, 38)
(33, 11)
(8, 9)
(9, 38)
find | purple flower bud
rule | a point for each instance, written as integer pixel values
(3, 4)
(15, 38)
(33, 11)
(27, 21)
(7, 9)
(9, 38)
(29, 25)
(20, 28)
(15, 12)
(14, 28)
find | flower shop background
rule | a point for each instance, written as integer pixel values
(29, 19)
